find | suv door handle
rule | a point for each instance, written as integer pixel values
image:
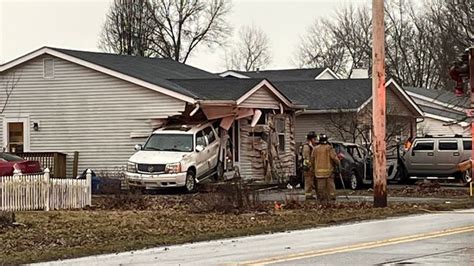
(430, 154)
(456, 154)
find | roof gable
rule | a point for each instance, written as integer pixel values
(282, 74)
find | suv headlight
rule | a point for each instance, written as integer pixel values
(173, 168)
(131, 167)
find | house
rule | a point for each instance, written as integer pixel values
(101, 105)
(283, 74)
(340, 108)
(444, 112)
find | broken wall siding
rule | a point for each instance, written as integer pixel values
(84, 110)
(261, 158)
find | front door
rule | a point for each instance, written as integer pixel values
(15, 134)
(15, 137)
(421, 158)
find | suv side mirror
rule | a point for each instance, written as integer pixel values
(199, 148)
(138, 147)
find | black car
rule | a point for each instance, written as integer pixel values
(356, 164)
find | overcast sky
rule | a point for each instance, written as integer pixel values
(76, 24)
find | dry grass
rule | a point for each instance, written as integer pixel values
(122, 223)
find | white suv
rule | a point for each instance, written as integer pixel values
(175, 156)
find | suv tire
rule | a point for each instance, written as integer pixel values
(219, 171)
(465, 176)
(354, 181)
(190, 184)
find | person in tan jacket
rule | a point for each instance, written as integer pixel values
(324, 161)
(309, 181)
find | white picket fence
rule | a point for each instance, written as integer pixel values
(40, 192)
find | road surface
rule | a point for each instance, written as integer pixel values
(437, 238)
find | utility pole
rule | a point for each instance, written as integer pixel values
(379, 104)
(471, 85)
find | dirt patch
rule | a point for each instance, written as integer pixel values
(421, 190)
(121, 223)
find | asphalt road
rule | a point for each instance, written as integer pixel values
(438, 238)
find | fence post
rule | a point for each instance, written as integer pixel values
(89, 187)
(16, 184)
(46, 189)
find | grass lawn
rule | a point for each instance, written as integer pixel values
(122, 223)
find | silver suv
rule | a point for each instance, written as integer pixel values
(435, 158)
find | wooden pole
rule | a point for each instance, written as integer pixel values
(378, 104)
(471, 85)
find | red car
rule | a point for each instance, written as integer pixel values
(8, 163)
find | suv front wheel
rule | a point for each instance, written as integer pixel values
(190, 184)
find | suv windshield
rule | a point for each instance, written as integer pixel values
(169, 142)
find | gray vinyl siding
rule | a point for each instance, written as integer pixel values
(437, 127)
(395, 105)
(263, 99)
(83, 110)
(310, 122)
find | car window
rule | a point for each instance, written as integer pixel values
(211, 137)
(448, 145)
(424, 146)
(467, 145)
(201, 139)
(356, 153)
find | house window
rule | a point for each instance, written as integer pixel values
(280, 130)
(263, 119)
(48, 68)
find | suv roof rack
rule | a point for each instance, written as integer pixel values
(444, 136)
(177, 127)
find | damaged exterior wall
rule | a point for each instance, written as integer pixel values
(262, 157)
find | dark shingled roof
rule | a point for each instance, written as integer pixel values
(284, 74)
(219, 88)
(444, 96)
(327, 94)
(153, 70)
(455, 115)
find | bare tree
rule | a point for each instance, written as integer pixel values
(341, 44)
(8, 84)
(181, 25)
(356, 126)
(250, 52)
(422, 40)
(164, 28)
(128, 28)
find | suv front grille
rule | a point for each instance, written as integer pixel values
(151, 168)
